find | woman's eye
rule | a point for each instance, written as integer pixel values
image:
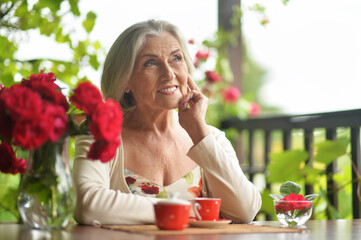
(177, 58)
(150, 63)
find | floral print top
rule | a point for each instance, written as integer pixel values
(189, 186)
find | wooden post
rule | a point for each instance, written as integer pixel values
(225, 12)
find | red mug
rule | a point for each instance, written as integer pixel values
(172, 215)
(207, 208)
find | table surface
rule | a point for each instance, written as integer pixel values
(317, 229)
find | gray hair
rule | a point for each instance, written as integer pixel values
(120, 61)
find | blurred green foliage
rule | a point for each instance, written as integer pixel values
(293, 165)
(252, 75)
(53, 20)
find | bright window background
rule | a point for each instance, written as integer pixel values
(311, 49)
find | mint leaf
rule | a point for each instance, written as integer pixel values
(310, 197)
(275, 196)
(290, 187)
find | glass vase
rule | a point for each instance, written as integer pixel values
(46, 193)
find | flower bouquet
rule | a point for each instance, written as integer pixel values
(292, 208)
(35, 117)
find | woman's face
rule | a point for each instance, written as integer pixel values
(159, 78)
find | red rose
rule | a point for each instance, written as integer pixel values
(231, 94)
(255, 109)
(57, 121)
(8, 161)
(86, 97)
(22, 103)
(202, 55)
(6, 123)
(103, 150)
(31, 133)
(19, 166)
(48, 90)
(130, 180)
(6, 157)
(212, 77)
(149, 190)
(106, 121)
(46, 77)
(60, 99)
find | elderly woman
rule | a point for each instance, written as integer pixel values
(166, 144)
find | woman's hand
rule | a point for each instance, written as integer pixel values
(192, 112)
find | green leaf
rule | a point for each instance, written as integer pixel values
(22, 9)
(8, 197)
(267, 203)
(257, 8)
(329, 151)
(286, 166)
(226, 71)
(93, 60)
(311, 196)
(312, 174)
(89, 22)
(80, 50)
(74, 7)
(53, 5)
(97, 45)
(60, 37)
(276, 197)
(290, 187)
(9, 46)
(47, 28)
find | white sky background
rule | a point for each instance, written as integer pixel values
(312, 51)
(311, 48)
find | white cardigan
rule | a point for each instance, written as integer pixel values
(103, 195)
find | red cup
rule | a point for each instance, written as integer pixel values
(171, 216)
(207, 208)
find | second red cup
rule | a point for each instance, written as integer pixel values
(207, 208)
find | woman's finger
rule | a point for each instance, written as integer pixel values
(190, 99)
(191, 84)
(185, 100)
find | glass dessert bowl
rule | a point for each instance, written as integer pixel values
(293, 213)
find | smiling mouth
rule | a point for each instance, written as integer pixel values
(167, 90)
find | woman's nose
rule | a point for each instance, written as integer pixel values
(167, 73)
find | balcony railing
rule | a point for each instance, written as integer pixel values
(329, 122)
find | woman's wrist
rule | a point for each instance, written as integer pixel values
(197, 132)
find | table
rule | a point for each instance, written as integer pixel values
(318, 229)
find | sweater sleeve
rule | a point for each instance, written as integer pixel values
(225, 179)
(96, 200)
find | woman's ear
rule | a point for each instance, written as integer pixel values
(127, 90)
